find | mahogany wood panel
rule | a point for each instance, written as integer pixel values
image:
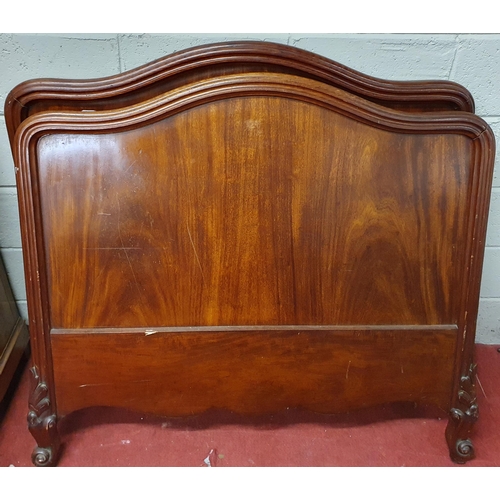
(184, 373)
(211, 236)
(222, 217)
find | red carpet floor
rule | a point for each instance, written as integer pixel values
(392, 436)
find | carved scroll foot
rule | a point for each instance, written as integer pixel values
(462, 419)
(42, 423)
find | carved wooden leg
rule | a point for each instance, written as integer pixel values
(462, 419)
(42, 423)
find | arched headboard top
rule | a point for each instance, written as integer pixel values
(251, 85)
(199, 63)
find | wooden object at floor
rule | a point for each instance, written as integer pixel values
(14, 335)
(251, 227)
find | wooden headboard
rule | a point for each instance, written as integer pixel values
(251, 227)
(196, 64)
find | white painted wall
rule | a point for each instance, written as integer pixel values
(472, 60)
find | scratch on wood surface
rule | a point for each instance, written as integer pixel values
(130, 166)
(347, 371)
(195, 253)
(19, 102)
(110, 383)
(112, 248)
(93, 385)
(124, 248)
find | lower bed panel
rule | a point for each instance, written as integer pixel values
(249, 372)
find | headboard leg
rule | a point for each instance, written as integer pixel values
(462, 418)
(42, 423)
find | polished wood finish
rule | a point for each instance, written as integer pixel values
(235, 213)
(251, 241)
(198, 63)
(252, 371)
(14, 335)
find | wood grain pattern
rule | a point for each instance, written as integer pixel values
(251, 234)
(184, 373)
(244, 229)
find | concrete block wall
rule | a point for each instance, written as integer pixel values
(472, 60)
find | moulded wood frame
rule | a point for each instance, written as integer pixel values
(197, 63)
(328, 85)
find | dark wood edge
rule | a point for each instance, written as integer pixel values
(155, 330)
(12, 354)
(450, 95)
(254, 84)
(479, 200)
(463, 409)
